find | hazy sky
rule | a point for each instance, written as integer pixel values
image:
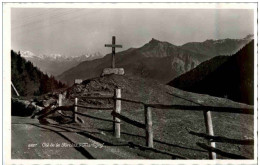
(73, 32)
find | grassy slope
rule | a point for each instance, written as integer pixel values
(29, 80)
(169, 125)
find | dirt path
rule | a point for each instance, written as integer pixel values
(32, 140)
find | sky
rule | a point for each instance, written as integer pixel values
(74, 32)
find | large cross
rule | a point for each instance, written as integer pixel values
(114, 46)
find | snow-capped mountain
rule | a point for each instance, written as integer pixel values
(55, 64)
(29, 55)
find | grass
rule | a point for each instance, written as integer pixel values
(170, 125)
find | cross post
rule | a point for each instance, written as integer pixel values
(114, 46)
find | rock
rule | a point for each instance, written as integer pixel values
(108, 71)
(78, 81)
(46, 103)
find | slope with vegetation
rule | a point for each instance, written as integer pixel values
(228, 76)
(29, 80)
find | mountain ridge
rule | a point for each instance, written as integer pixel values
(157, 60)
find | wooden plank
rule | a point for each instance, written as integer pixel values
(60, 102)
(131, 101)
(95, 108)
(149, 126)
(113, 52)
(15, 89)
(129, 121)
(118, 111)
(209, 129)
(75, 116)
(249, 110)
(222, 139)
(113, 46)
(90, 97)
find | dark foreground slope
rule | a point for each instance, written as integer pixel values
(230, 77)
(29, 80)
(171, 126)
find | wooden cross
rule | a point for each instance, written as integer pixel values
(114, 46)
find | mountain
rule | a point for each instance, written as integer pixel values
(55, 64)
(214, 48)
(29, 80)
(228, 76)
(161, 61)
(155, 60)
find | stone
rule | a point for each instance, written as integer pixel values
(46, 103)
(108, 71)
(78, 81)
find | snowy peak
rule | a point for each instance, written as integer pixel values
(56, 63)
(29, 54)
(58, 57)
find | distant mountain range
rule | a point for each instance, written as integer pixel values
(55, 64)
(157, 60)
(231, 77)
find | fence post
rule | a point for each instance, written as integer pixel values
(75, 110)
(148, 126)
(209, 129)
(60, 102)
(117, 109)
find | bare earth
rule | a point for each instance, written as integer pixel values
(29, 140)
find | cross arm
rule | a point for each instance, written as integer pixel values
(113, 46)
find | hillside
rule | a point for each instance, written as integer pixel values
(156, 60)
(170, 125)
(230, 77)
(29, 80)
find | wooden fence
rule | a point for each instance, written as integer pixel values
(148, 126)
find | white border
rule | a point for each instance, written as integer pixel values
(7, 78)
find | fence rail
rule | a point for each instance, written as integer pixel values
(148, 125)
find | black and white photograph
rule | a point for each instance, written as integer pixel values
(119, 81)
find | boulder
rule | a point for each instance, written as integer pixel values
(78, 81)
(48, 102)
(108, 71)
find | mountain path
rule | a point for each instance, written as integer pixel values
(30, 140)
